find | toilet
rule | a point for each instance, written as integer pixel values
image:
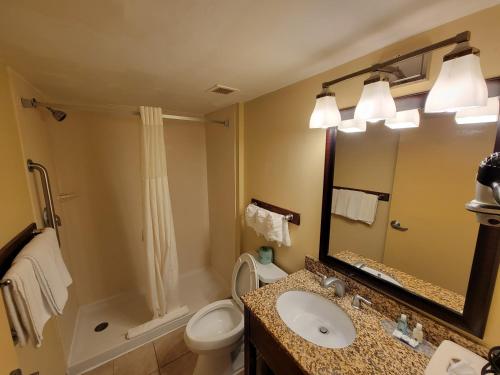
(215, 332)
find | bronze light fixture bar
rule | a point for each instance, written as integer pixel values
(457, 39)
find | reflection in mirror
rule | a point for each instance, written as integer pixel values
(398, 205)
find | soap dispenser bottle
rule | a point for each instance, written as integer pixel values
(402, 325)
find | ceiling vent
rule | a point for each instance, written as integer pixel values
(224, 90)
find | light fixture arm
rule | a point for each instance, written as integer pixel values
(457, 39)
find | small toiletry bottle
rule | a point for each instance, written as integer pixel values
(402, 325)
(418, 334)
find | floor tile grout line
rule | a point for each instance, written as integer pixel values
(156, 357)
(160, 366)
(185, 354)
(156, 354)
(176, 358)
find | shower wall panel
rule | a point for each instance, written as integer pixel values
(99, 163)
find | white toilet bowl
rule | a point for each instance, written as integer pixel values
(215, 332)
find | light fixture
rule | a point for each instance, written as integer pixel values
(352, 126)
(460, 83)
(459, 86)
(488, 113)
(376, 102)
(404, 119)
(326, 113)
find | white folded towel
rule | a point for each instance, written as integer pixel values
(368, 208)
(13, 316)
(355, 205)
(277, 229)
(269, 224)
(340, 201)
(255, 218)
(30, 306)
(45, 256)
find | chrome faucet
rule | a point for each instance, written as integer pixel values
(357, 301)
(327, 282)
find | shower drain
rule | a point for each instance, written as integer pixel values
(101, 326)
(323, 330)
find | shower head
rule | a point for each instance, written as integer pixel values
(33, 103)
(57, 114)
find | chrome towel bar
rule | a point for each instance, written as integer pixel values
(49, 216)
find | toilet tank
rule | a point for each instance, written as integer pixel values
(269, 273)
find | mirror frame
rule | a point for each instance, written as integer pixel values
(486, 256)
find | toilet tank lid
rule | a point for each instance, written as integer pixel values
(269, 273)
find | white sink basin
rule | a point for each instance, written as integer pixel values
(316, 319)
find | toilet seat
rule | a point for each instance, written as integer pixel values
(220, 324)
(245, 277)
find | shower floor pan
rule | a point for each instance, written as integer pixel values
(100, 330)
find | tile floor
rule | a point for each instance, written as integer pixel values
(167, 355)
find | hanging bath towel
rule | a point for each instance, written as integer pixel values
(51, 272)
(355, 205)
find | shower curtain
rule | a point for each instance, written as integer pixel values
(159, 234)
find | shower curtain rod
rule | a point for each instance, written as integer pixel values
(194, 119)
(125, 111)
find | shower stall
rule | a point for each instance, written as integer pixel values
(94, 161)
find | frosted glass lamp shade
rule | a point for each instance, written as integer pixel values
(460, 85)
(352, 126)
(479, 115)
(376, 102)
(404, 119)
(326, 113)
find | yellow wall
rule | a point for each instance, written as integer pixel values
(284, 159)
(33, 130)
(15, 196)
(364, 161)
(14, 200)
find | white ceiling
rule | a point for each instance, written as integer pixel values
(169, 52)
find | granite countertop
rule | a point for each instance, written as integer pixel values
(373, 351)
(426, 289)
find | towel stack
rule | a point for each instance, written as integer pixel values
(39, 287)
(355, 205)
(273, 226)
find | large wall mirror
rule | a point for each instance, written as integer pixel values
(394, 213)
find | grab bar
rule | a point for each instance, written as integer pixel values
(49, 217)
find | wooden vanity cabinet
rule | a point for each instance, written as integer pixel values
(263, 354)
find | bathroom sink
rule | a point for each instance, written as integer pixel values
(316, 319)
